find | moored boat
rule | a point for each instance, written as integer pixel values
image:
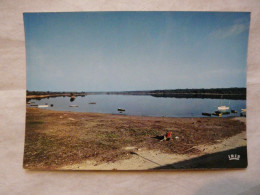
(225, 113)
(233, 111)
(223, 108)
(243, 112)
(217, 113)
(206, 114)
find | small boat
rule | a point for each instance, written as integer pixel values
(120, 109)
(92, 103)
(43, 106)
(243, 112)
(74, 106)
(225, 113)
(217, 114)
(223, 108)
(206, 114)
(233, 111)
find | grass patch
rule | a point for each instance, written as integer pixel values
(35, 122)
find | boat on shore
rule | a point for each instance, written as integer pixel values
(225, 113)
(217, 114)
(43, 106)
(73, 106)
(206, 114)
(243, 112)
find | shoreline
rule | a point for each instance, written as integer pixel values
(142, 158)
(59, 139)
(156, 95)
(29, 97)
(123, 114)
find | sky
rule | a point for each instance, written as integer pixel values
(124, 51)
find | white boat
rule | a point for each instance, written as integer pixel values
(223, 108)
(74, 106)
(43, 106)
(243, 112)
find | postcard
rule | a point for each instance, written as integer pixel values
(136, 90)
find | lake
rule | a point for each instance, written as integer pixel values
(142, 105)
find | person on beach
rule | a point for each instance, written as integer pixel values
(167, 136)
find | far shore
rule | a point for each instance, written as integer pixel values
(232, 93)
(28, 97)
(91, 141)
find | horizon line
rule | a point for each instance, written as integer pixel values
(134, 90)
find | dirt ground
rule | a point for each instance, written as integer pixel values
(70, 140)
(143, 159)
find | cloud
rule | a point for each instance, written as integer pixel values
(226, 32)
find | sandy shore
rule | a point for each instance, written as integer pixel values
(93, 141)
(149, 159)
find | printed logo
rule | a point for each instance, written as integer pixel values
(233, 157)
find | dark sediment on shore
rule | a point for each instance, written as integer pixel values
(213, 161)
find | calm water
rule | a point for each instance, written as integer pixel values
(142, 105)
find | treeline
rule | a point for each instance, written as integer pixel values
(202, 96)
(216, 93)
(234, 90)
(53, 92)
(213, 93)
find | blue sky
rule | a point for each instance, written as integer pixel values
(115, 51)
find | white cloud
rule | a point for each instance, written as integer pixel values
(223, 33)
